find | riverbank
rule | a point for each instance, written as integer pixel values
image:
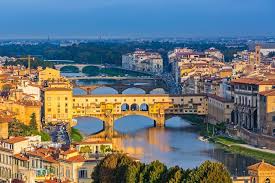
(239, 146)
(230, 144)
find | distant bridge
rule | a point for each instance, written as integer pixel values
(111, 78)
(79, 66)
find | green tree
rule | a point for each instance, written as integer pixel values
(210, 172)
(133, 171)
(174, 175)
(153, 172)
(33, 123)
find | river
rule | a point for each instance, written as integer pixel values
(176, 144)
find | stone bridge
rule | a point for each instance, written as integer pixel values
(113, 107)
(79, 66)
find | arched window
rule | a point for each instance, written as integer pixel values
(267, 180)
(134, 107)
(125, 107)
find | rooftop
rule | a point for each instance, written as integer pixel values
(14, 140)
(261, 166)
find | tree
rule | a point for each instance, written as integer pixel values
(210, 172)
(174, 175)
(133, 171)
(33, 123)
(153, 172)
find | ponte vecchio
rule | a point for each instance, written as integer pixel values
(61, 105)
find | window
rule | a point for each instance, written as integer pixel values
(273, 118)
(82, 174)
(267, 180)
(227, 106)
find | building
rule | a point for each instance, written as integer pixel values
(58, 105)
(245, 91)
(30, 89)
(140, 60)
(219, 110)
(261, 173)
(22, 110)
(26, 159)
(49, 74)
(266, 111)
(215, 53)
(5, 118)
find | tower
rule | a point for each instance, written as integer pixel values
(257, 54)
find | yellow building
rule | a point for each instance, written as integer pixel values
(262, 173)
(49, 74)
(5, 118)
(225, 72)
(22, 110)
(266, 111)
(58, 105)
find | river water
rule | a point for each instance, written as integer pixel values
(176, 144)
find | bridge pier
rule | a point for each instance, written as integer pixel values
(159, 121)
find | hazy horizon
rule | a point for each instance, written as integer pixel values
(136, 18)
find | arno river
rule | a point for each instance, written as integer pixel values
(176, 144)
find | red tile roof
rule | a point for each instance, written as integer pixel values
(68, 152)
(21, 157)
(268, 93)
(254, 81)
(76, 159)
(14, 140)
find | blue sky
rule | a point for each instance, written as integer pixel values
(136, 18)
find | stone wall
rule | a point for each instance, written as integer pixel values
(257, 139)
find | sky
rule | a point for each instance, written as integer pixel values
(136, 18)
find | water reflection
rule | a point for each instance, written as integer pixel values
(104, 90)
(176, 144)
(134, 90)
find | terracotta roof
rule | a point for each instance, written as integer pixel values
(262, 166)
(21, 157)
(254, 81)
(245, 81)
(76, 159)
(68, 151)
(221, 99)
(268, 92)
(14, 140)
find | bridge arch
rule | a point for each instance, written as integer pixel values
(134, 90)
(144, 107)
(158, 91)
(107, 90)
(69, 69)
(125, 107)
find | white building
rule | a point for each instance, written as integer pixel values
(30, 89)
(213, 52)
(143, 61)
